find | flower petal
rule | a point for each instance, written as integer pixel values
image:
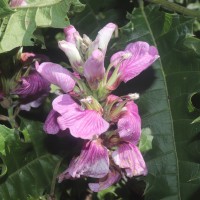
(92, 162)
(64, 103)
(94, 68)
(136, 58)
(129, 124)
(83, 123)
(128, 157)
(32, 104)
(51, 126)
(70, 33)
(57, 75)
(72, 53)
(103, 37)
(142, 57)
(33, 85)
(103, 183)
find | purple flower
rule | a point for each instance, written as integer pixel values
(82, 123)
(92, 162)
(129, 158)
(32, 90)
(33, 85)
(57, 75)
(94, 69)
(131, 62)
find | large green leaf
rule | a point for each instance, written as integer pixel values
(173, 162)
(17, 29)
(30, 167)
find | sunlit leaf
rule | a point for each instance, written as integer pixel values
(18, 28)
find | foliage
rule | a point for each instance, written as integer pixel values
(19, 24)
(29, 169)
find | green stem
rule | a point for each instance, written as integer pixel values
(53, 183)
(12, 118)
(175, 7)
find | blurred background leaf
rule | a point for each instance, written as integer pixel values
(30, 167)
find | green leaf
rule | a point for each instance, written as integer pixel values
(4, 9)
(30, 167)
(164, 89)
(145, 143)
(18, 28)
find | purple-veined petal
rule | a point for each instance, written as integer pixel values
(129, 124)
(57, 75)
(129, 128)
(33, 85)
(51, 125)
(103, 37)
(83, 124)
(94, 68)
(92, 162)
(129, 158)
(103, 183)
(64, 103)
(72, 53)
(136, 58)
(118, 57)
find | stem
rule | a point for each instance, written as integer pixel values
(53, 183)
(106, 74)
(175, 7)
(12, 118)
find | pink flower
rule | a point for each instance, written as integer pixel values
(92, 162)
(57, 75)
(94, 69)
(82, 123)
(132, 61)
(129, 124)
(129, 158)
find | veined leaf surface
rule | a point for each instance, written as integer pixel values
(173, 162)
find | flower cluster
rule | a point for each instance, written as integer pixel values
(109, 125)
